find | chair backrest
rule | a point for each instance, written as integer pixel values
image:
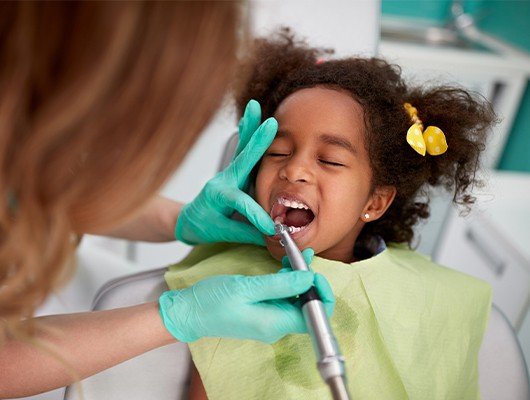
(503, 373)
(163, 373)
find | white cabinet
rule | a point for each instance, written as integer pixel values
(476, 246)
(493, 242)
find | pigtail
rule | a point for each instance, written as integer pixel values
(270, 63)
(465, 118)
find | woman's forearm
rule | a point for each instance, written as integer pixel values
(88, 342)
(154, 223)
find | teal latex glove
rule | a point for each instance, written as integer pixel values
(207, 218)
(321, 283)
(237, 306)
(248, 124)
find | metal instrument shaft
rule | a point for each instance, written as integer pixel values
(330, 362)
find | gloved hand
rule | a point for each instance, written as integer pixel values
(207, 218)
(237, 306)
(321, 283)
(248, 124)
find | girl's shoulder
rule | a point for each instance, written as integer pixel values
(424, 269)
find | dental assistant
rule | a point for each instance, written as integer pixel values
(99, 104)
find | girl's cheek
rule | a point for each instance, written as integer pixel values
(266, 174)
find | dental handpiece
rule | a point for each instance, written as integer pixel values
(330, 362)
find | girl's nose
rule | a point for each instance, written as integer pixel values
(296, 169)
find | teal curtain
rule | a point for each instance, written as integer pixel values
(510, 20)
(432, 10)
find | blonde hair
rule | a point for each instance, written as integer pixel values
(99, 103)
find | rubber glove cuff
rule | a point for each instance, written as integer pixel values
(168, 301)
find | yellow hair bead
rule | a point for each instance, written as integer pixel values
(435, 141)
(415, 138)
(432, 140)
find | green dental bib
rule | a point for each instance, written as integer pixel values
(407, 327)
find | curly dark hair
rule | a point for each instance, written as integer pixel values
(282, 65)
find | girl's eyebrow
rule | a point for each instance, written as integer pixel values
(326, 138)
(337, 141)
(282, 133)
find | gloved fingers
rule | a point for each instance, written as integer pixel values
(241, 232)
(291, 319)
(308, 255)
(212, 227)
(260, 141)
(247, 206)
(276, 286)
(248, 124)
(326, 293)
(287, 318)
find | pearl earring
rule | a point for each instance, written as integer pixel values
(366, 215)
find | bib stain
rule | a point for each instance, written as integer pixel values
(294, 358)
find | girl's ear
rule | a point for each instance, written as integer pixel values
(378, 203)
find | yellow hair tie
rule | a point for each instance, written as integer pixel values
(432, 139)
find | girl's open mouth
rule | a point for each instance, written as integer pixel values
(293, 213)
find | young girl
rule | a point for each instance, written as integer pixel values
(354, 154)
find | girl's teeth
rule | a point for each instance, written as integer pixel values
(295, 229)
(292, 203)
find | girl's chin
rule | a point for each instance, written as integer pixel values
(276, 249)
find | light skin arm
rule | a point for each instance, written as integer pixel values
(90, 342)
(155, 222)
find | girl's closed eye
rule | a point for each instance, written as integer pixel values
(330, 163)
(277, 152)
(331, 159)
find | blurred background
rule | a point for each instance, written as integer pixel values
(482, 45)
